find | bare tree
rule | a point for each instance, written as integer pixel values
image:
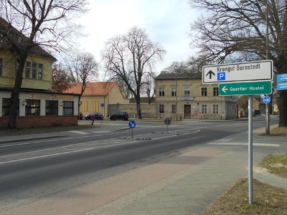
(130, 58)
(60, 79)
(256, 30)
(195, 64)
(27, 25)
(82, 68)
(123, 87)
(149, 86)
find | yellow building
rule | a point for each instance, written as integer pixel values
(38, 105)
(98, 96)
(185, 95)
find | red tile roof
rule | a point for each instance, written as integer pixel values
(92, 89)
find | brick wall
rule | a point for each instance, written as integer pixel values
(40, 121)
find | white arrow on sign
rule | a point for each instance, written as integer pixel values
(224, 89)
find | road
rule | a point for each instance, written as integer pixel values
(34, 168)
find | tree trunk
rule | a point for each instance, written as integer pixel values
(282, 107)
(282, 98)
(16, 91)
(139, 108)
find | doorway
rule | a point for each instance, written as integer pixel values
(187, 111)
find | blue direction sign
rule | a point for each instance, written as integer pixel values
(266, 100)
(132, 124)
(281, 78)
(282, 86)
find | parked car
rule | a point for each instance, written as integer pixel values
(120, 115)
(80, 116)
(98, 116)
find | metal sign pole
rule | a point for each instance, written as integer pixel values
(267, 123)
(250, 150)
(132, 133)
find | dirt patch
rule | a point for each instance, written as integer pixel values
(266, 200)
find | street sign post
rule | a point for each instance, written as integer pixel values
(132, 125)
(249, 78)
(266, 100)
(281, 82)
(167, 121)
(245, 88)
(238, 72)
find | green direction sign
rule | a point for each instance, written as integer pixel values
(245, 88)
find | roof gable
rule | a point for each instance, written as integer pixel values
(92, 88)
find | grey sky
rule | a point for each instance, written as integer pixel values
(166, 22)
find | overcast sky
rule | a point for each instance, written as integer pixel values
(165, 22)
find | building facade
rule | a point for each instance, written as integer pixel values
(183, 96)
(38, 105)
(98, 96)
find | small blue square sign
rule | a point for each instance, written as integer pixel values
(221, 76)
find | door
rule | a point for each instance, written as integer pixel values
(187, 111)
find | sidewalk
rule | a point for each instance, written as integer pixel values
(183, 184)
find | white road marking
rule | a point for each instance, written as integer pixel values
(79, 132)
(175, 136)
(223, 140)
(96, 132)
(243, 144)
(62, 153)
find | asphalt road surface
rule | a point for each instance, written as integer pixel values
(31, 169)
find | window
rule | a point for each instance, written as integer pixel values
(84, 106)
(204, 91)
(173, 109)
(68, 108)
(173, 91)
(204, 109)
(27, 69)
(32, 107)
(215, 91)
(95, 107)
(34, 70)
(51, 107)
(215, 109)
(186, 91)
(40, 71)
(1, 66)
(6, 107)
(161, 91)
(161, 108)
